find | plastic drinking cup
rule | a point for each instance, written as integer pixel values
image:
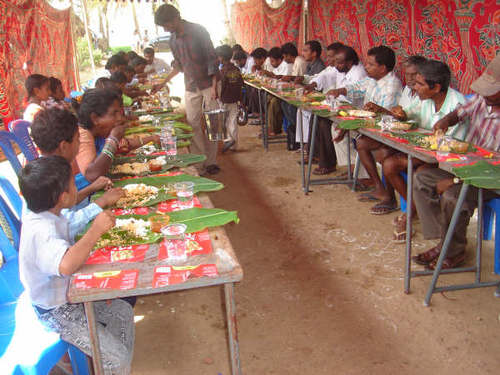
(185, 192)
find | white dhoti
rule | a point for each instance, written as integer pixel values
(303, 117)
(341, 151)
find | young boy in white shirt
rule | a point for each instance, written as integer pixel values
(48, 257)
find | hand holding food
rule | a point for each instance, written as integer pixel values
(398, 113)
(118, 131)
(101, 183)
(103, 222)
(110, 197)
(335, 93)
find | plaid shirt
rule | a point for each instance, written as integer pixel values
(484, 128)
(194, 55)
(385, 92)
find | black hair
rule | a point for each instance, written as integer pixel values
(224, 51)
(276, 53)
(51, 126)
(132, 55)
(335, 46)
(350, 54)
(115, 60)
(118, 77)
(315, 46)
(240, 55)
(54, 83)
(34, 81)
(383, 56)
(435, 72)
(148, 50)
(237, 47)
(129, 69)
(104, 83)
(96, 101)
(166, 13)
(289, 49)
(415, 60)
(259, 53)
(43, 180)
(138, 61)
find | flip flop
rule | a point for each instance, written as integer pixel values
(384, 208)
(368, 197)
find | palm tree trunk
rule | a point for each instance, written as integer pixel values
(136, 22)
(227, 23)
(87, 34)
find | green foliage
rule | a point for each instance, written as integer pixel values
(82, 51)
(114, 50)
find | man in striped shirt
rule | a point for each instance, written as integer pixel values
(436, 191)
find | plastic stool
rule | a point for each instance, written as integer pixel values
(492, 209)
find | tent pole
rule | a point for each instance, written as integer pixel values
(87, 34)
(73, 46)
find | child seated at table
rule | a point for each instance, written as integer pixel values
(55, 132)
(57, 94)
(230, 94)
(38, 90)
(48, 257)
(120, 80)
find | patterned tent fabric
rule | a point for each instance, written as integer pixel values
(463, 33)
(255, 24)
(38, 37)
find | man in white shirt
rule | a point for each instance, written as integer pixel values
(279, 67)
(319, 78)
(348, 70)
(291, 56)
(155, 65)
(243, 62)
(380, 89)
(301, 66)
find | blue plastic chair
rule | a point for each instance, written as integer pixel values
(492, 211)
(6, 141)
(26, 346)
(12, 196)
(20, 128)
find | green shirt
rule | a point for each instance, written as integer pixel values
(425, 113)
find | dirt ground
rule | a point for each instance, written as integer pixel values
(322, 291)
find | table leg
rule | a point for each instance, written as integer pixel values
(261, 116)
(356, 173)
(349, 173)
(302, 151)
(409, 202)
(311, 153)
(265, 135)
(479, 245)
(94, 339)
(446, 244)
(232, 329)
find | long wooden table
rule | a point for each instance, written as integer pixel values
(223, 256)
(412, 152)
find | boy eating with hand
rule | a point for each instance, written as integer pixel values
(48, 257)
(55, 132)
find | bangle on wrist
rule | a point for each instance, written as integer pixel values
(113, 139)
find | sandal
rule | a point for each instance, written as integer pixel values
(428, 256)
(449, 262)
(384, 208)
(320, 171)
(367, 197)
(399, 234)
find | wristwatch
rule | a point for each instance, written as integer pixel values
(456, 180)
